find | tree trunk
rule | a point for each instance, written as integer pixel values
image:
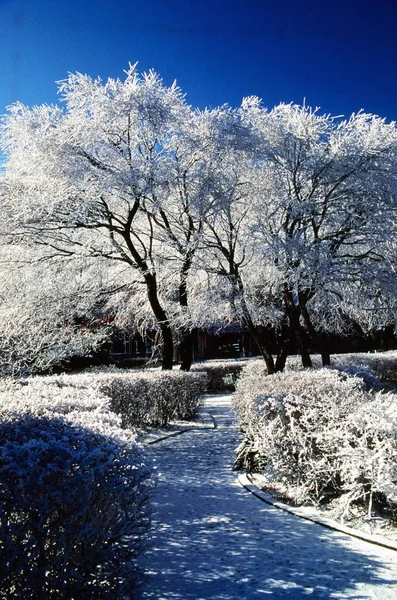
(162, 320)
(263, 347)
(281, 360)
(316, 338)
(152, 293)
(293, 316)
(283, 346)
(305, 356)
(326, 359)
(186, 345)
(186, 349)
(168, 347)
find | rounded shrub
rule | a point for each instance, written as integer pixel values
(320, 436)
(153, 398)
(72, 510)
(222, 374)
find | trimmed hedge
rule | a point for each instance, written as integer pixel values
(321, 435)
(73, 494)
(154, 398)
(382, 364)
(222, 375)
(147, 398)
(74, 484)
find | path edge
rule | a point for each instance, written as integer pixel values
(377, 540)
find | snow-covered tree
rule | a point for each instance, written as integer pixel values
(325, 198)
(186, 200)
(44, 319)
(86, 180)
(272, 217)
(227, 251)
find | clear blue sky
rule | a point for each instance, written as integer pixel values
(341, 56)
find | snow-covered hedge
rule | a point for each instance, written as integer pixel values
(320, 434)
(154, 398)
(386, 367)
(142, 398)
(73, 494)
(74, 484)
(383, 364)
(222, 374)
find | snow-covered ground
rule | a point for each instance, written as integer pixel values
(212, 539)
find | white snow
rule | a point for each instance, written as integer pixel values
(212, 539)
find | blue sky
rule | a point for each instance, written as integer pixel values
(341, 56)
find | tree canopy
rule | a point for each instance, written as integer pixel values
(281, 218)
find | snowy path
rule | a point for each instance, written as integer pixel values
(211, 539)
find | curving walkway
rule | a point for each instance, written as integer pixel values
(211, 539)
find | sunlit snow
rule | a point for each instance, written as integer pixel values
(210, 538)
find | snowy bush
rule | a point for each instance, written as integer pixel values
(320, 434)
(222, 375)
(74, 484)
(141, 398)
(73, 494)
(386, 367)
(76, 401)
(382, 365)
(154, 398)
(369, 469)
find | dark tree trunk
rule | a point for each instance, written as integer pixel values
(168, 347)
(326, 359)
(318, 341)
(281, 360)
(186, 345)
(152, 293)
(284, 344)
(293, 316)
(305, 356)
(162, 320)
(263, 347)
(186, 350)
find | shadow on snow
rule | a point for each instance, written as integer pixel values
(212, 539)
